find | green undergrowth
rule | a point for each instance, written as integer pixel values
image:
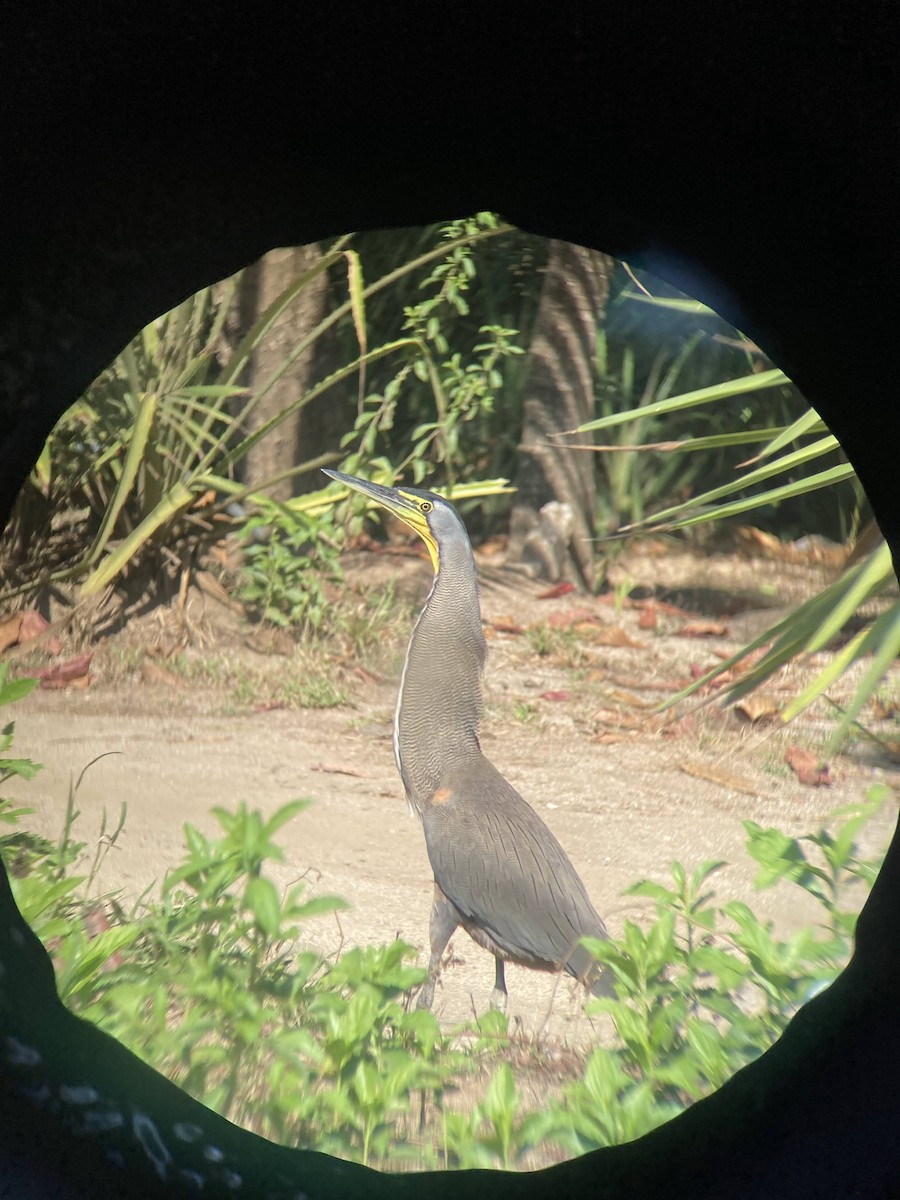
(216, 981)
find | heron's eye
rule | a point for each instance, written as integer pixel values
(426, 506)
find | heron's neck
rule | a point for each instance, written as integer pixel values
(439, 707)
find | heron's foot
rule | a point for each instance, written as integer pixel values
(498, 1000)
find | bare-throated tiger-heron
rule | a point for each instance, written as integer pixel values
(498, 870)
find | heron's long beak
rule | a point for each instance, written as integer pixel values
(393, 499)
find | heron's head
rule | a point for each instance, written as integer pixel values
(433, 518)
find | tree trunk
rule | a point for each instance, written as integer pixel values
(553, 515)
(263, 282)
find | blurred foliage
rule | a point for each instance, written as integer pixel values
(218, 984)
(801, 457)
(145, 469)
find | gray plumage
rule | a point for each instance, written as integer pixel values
(498, 870)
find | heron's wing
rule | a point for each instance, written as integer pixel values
(504, 870)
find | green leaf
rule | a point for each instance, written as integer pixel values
(12, 690)
(137, 446)
(261, 897)
(708, 395)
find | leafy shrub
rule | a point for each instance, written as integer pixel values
(215, 984)
(287, 557)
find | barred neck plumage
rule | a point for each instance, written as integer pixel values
(440, 702)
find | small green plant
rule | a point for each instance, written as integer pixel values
(525, 711)
(547, 641)
(288, 555)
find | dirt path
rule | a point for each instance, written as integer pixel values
(624, 803)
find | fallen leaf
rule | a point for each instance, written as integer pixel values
(564, 620)
(747, 663)
(554, 695)
(505, 624)
(643, 685)
(621, 720)
(757, 541)
(614, 635)
(337, 769)
(72, 673)
(697, 672)
(717, 775)
(558, 589)
(618, 601)
(648, 618)
(807, 767)
(9, 631)
(32, 625)
(629, 699)
(684, 725)
(211, 586)
(698, 629)
(663, 606)
(366, 675)
(758, 708)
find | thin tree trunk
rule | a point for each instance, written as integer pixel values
(281, 449)
(560, 396)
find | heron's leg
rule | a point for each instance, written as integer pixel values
(444, 921)
(498, 995)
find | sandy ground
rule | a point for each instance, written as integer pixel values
(623, 803)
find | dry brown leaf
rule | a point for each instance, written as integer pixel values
(630, 699)
(614, 635)
(757, 541)
(9, 631)
(700, 629)
(554, 695)
(648, 618)
(572, 616)
(75, 672)
(621, 720)
(684, 725)
(367, 676)
(758, 708)
(807, 767)
(717, 775)
(663, 606)
(558, 589)
(645, 685)
(33, 625)
(208, 583)
(337, 769)
(505, 624)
